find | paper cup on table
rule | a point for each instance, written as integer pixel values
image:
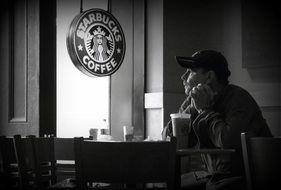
(104, 131)
(128, 132)
(94, 133)
(181, 128)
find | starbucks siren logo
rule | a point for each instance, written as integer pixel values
(96, 43)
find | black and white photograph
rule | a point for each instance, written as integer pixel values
(140, 94)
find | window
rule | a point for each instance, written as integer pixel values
(82, 101)
(119, 97)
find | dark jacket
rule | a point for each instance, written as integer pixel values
(234, 112)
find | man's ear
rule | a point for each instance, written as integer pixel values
(211, 76)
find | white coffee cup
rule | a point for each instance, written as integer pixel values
(181, 128)
(94, 133)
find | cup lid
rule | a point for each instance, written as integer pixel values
(180, 115)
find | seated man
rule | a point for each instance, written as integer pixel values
(219, 113)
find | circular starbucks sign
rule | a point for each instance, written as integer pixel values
(96, 43)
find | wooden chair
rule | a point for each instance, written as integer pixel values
(10, 175)
(36, 155)
(64, 156)
(124, 162)
(45, 165)
(262, 161)
(26, 162)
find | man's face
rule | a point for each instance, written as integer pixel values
(192, 78)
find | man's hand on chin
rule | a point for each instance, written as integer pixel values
(202, 97)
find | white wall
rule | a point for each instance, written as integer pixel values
(154, 69)
(122, 80)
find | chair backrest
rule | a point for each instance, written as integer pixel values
(262, 161)
(10, 178)
(35, 157)
(125, 162)
(43, 151)
(64, 156)
(26, 162)
(64, 148)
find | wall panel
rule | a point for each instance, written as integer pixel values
(18, 62)
(19, 68)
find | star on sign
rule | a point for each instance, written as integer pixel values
(80, 47)
(118, 50)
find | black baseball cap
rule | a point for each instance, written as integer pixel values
(206, 59)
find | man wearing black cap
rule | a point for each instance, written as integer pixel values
(220, 112)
